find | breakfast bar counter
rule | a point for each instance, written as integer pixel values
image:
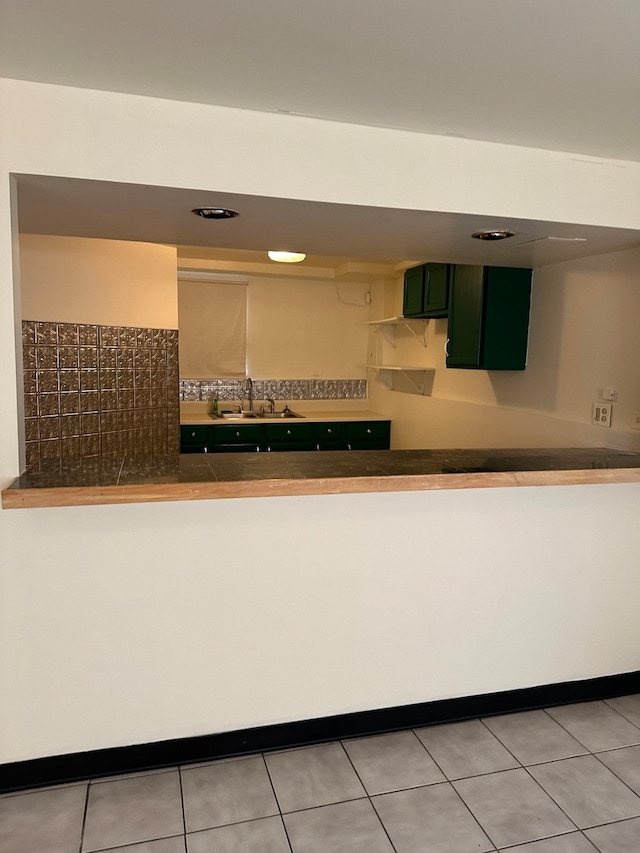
(121, 479)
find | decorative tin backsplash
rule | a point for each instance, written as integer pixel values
(95, 390)
(277, 389)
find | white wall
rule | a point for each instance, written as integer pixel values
(116, 626)
(583, 337)
(100, 282)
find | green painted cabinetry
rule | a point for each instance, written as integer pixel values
(426, 290)
(196, 438)
(287, 436)
(488, 326)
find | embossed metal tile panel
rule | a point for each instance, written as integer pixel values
(95, 390)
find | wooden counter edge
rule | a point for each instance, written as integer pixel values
(214, 490)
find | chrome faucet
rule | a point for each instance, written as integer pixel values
(272, 404)
(249, 389)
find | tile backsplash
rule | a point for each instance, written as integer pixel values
(95, 390)
(277, 389)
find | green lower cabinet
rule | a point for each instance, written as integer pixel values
(289, 436)
(282, 437)
(232, 438)
(196, 439)
(488, 326)
(331, 436)
(369, 435)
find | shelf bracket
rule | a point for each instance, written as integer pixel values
(419, 387)
(387, 333)
(421, 337)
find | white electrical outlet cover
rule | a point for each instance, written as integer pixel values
(601, 414)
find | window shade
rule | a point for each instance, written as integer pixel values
(212, 321)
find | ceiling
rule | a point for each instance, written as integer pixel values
(557, 74)
(331, 234)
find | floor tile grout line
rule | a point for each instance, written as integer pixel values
(275, 795)
(182, 807)
(521, 844)
(503, 745)
(537, 763)
(444, 780)
(84, 817)
(624, 717)
(619, 778)
(553, 800)
(551, 717)
(369, 798)
(468, 808)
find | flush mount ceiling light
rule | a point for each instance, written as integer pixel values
(492, 235)
(286, 257)
(215, 212)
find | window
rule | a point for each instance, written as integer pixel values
(212, 315)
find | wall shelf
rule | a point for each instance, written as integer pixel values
(387, 328)
(409, 374)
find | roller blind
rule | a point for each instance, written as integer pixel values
(212, 323)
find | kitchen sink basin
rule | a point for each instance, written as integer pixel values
(276, 415)
(241, 416)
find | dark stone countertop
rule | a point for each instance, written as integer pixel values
(123, 470)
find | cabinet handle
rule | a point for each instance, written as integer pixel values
(368, 432)
(193, 435)
(446, 347)
(288, 432)
(237, 435)
(329, 431)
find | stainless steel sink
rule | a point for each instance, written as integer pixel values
(241, 416)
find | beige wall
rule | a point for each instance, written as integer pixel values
(583, 337)
(109, 616)
(302, 329)
(100, 282)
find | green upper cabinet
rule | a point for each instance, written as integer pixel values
(426, 290)
(489, 317)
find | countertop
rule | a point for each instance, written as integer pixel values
(198, 418)
(123, 479)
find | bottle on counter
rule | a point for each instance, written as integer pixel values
(214, 405)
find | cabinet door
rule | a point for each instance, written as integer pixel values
(413, 301)
(489, 317)
(506, 318)
(196, 439)
(368, 435)
(331, 436)
(466, 307)
(289, 436)
(436, 290)
(233, 438)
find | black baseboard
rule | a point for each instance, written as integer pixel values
(57, 769)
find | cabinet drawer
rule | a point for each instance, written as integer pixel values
(195, 434)
(234, 434)
(289, 432)
(368, 431)
(331, 432)
(196, 439)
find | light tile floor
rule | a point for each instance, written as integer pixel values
(564, 780)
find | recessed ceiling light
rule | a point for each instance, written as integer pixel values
(493, 235)
(215, 212)
(287, 257)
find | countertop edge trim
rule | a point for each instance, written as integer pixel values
(216, 490)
